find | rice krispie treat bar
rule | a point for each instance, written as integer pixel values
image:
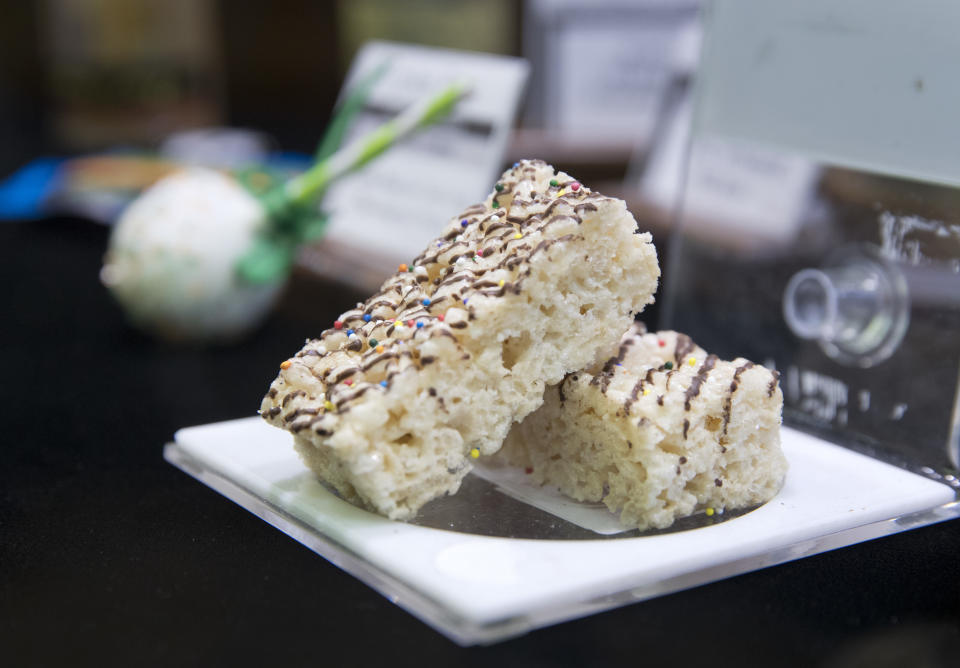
(658, 432)
(393, 404)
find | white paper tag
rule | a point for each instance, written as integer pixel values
(396, 204)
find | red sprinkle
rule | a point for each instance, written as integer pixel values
(440, 317)
(348, 382)
(410, 323)
(528, 470)
(661, 342)
(575, 186)
(338, 324)
(480, 252)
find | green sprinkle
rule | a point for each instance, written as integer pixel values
(668, 365)
(496, 204)
(373, 343)
(499, 187)
(554, 183)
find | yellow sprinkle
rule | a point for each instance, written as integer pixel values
(563, 191)
(693, 361)
(285, 364)
(379, 349)
(518, 236)
(709, 512)
(398, 323)
(646, 391)
(501, 283)
(475, 453)
(328, 405)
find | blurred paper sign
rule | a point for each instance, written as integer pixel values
(603, 66)
(387, 212)
(739, 195)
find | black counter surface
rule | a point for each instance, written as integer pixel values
(111, 556)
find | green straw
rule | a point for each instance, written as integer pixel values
(305, 187)
(291, 208)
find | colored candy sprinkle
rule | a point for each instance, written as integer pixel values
(668, 365)
(420, 324)
(348, 382)
(528, 470)
(349, 332)
(499, 187)
(383, 383)
(518, 236)
(398, 323)
(328, 405)
(440, 317)
(464, 223)
(410, 323)
(402, 267)
(285, 364)
(380, 349)
(338, 324)
(496, 204)
(367, 317)
(661, 343)
(480, 252)
(709, 512)
(554, 183)
(426, 301)
(465, 301)
(575, 186)
(693, 361)
(646, 391)
(475, 453)
(501, 282)
(373, 343)
(561, 192)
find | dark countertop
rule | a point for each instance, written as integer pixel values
(109, 555)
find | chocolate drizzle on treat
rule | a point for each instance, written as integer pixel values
(685, 346)
(697, 382)
(734, 384)
(486, 252)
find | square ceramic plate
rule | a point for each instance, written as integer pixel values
(502, 557)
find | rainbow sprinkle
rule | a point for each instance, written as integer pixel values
(328, 405)
(402, 267)
(668, 365)
(709, 512)
(692, 361)
(367, 317)
(518, 236)
(464, 222)
(554, 183)
(285, 364)
(348, 382)
(499, 187)
(373, 343)
(383, 383)
(575, 186)
(426, 301)
(475, 453)
(419, 324)
(380, 349)
(338, 324)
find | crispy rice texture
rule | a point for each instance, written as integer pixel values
(659, 431)
(394, 404)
